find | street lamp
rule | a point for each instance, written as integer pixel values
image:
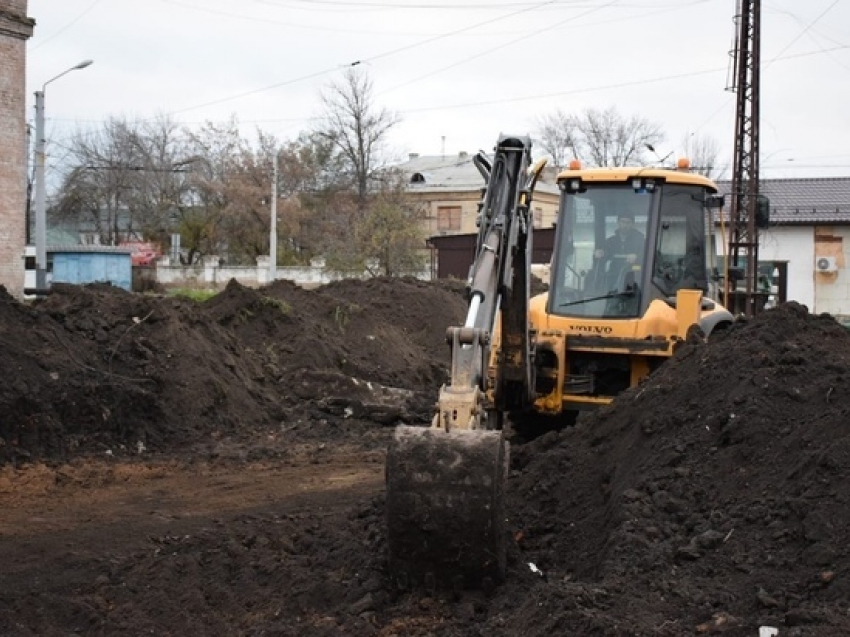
(661, 160)
(40, 189)
(273, 226)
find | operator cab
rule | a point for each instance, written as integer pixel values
(626, 237)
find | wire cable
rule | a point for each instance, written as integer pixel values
(501, 46)
(357, 62)
(56, 34)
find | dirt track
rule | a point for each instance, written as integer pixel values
(79, 543)
(143, 494)
(79, 498)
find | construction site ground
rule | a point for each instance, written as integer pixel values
(171, 467)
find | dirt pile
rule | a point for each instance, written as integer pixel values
(711, 499)
(95, 369)
(714, 497)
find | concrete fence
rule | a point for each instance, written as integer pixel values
(211, 273)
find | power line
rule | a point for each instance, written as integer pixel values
(56, 34)
(537, 33)
(590, 89)
(459, 31)
(348, 30)
(527, 7)
(501, 46)
(239, 16)
(429, 40)
(395, 4)
(803, 32)
(778, 57)
(442, 5)
(257, 90)
(665, 78)
(503, 99)
(371, 59)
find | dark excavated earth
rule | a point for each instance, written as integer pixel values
(180, 468)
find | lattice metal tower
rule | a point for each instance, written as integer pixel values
(743, 235)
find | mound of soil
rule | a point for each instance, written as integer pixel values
(711, 499)
(94, 369)
(714, 497)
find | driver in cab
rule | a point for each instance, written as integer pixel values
(625, 244)
(622, 249)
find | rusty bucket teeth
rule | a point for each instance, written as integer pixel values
(445, 507)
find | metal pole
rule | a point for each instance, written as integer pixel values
(40, 187)
(40, 194)
(273, 237)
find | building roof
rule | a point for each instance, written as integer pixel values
(450, 173)
(804, 201)
(793, 201)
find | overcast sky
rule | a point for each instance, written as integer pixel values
(458, 72)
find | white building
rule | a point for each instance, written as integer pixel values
(810, 232)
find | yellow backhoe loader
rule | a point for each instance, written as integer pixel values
(628, 283)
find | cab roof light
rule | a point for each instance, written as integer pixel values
(641, 185)
(571, 184)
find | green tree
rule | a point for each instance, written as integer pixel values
(388, 238)
(314, 195)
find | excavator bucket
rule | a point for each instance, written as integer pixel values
(445, 507)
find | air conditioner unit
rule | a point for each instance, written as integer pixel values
(826, 264)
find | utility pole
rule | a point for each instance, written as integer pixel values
(40, 196)
(40, 187)
(744, 222)
(273, 226)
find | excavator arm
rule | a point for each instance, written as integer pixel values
(445, 484)
(499, 282)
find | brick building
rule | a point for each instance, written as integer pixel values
(15, 29)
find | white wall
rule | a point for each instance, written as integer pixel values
(819, 291)
(796, 245)
(211, 275)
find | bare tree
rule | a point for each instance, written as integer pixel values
(366, 219)
(356, 127)
(122, 179)
(231, 182)
(150, 179)
(556, 136)
(162, 184)
(607, 138)
(703, 154)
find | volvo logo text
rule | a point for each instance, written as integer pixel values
(592, 329)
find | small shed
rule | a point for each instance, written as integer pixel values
(455, 252)
(81, 264)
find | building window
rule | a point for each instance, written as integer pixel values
(448, 218)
